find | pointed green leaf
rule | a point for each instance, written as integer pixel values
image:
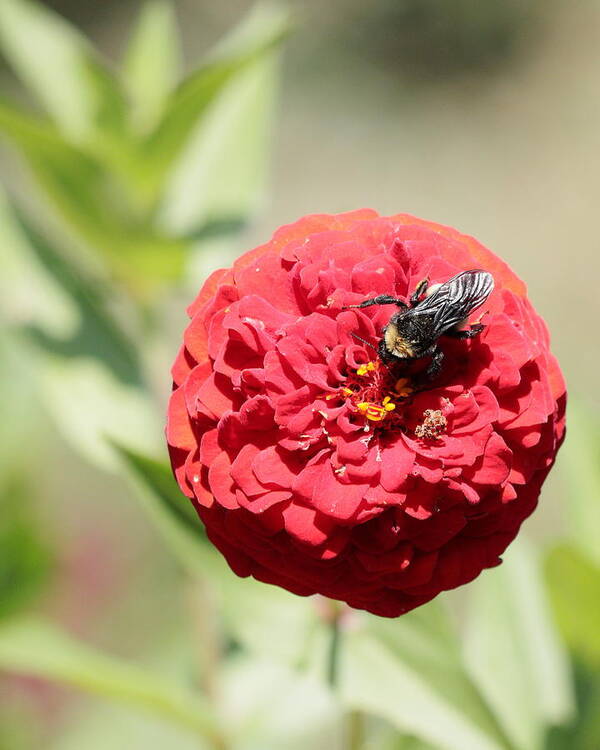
(257, 36)
(39, 649)
(93, 203)
(222, 169)
(152, 62)
(513, 651)
(97, 335)
(72, 179)
(59, 66)
(409, 672)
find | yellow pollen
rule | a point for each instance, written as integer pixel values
(387, 404)
(369, 367)
(374, 412)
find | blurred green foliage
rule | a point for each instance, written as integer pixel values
(574, 582)
(135, 168)
(26, 558)
(123, 155)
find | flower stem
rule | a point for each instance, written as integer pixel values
(356, 730)
(334, 650)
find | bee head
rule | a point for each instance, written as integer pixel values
(398, 345)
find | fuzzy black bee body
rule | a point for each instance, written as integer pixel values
(414, 330)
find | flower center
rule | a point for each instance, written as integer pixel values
(374, 392)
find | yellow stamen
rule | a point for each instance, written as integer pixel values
(388, 405)
(374, 412)
(369, 367)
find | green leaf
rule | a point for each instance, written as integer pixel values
(88, 372)
(39, 649)
(104, 725)
(97, 335)
(583, 733)
(26, 559)
(222, 169)
(158, 476)
(152, 62)
(29, 296)
(20, 421)
(574, 588)
(73, 180)
(395, 741)
(513, 652)
(580, 459)
(91, 406)
(409, 672)
(256, 36)
(93, 203)
(171, 512)
(59, 66)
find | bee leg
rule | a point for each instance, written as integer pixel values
(435, 366)
(469, 333)
(420, 289)
(383, 299)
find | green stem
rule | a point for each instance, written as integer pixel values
(356, 730)
(334, 649)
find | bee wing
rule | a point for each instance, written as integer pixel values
(454, 300)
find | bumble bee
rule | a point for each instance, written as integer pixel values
(431, 312)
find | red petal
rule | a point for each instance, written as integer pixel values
(179, 428)
(221, 482)
(397, 461)
(494, 466)
(335, 499)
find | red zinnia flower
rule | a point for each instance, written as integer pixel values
(317, 468)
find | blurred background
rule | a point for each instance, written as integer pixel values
(122, 190)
